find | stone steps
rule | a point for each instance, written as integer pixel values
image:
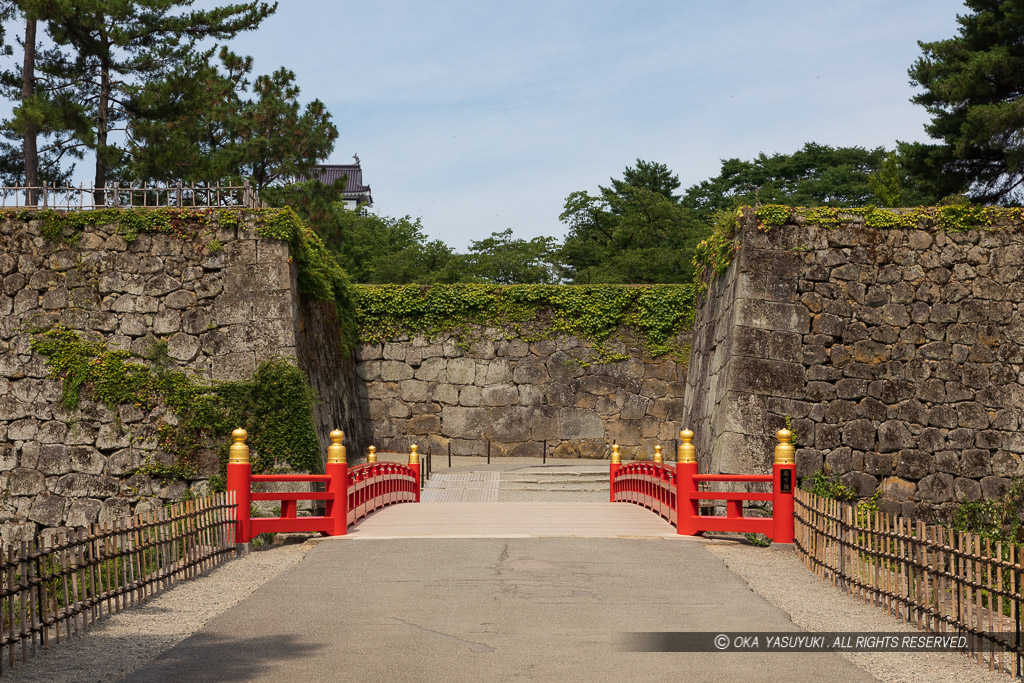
(553, 488)
(568, 478)
(586, 479)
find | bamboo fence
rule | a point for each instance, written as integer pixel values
(115, 195)
(926, 575)
(64, 585)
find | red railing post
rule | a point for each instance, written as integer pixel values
(687, 507)
(239, 482)
(414, 465)
(783, 483)
(336, 468)
(613, 468)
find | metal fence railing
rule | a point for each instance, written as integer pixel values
(114, 195)
(926, 575)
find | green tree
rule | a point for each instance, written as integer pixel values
(194, 141)
(814, 175)
(629, 234)
(504, 260)
(111, 51)
(378, 249)
(372, 249)
(44, 111)
(226, 126)
(973, 88)
(648, 175)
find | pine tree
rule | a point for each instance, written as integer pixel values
(227, 127)
(108, 50)
(974, 91)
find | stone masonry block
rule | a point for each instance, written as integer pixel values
(768, 377)
(773, 315)
(578, 423)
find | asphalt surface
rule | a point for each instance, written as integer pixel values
(516, 609)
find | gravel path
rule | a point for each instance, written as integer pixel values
(778, 576)
(127, 641)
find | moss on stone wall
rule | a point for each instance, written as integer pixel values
(320, 278)
(713, 256)
(654, 314)
(274, 405)
(951, 218)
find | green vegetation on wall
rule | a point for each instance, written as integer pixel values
(274, 405)
(955, 217)
(998, 519)
(320, 277)
(654, 314)
(716, 252)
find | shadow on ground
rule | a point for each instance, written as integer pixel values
(211, 657)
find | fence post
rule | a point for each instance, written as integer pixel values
(239, 473)
(613, 468)
(336, 468)
(687, 507)
(784, 480)
(414, 465)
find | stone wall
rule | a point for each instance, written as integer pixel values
(517, 395)
(897, 353)
(221, 312)
(332, 375)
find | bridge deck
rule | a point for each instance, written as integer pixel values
(512, 520)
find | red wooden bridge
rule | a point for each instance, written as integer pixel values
(672, 492)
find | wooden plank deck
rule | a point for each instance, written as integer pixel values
(512, 520)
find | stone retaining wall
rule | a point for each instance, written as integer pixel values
(517, 395)
(898, 354)
(221, 312)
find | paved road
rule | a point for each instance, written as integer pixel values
(512, 520)
(529, 609)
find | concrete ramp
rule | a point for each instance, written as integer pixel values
(512, 520)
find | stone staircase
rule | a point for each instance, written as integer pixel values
(578, 478)
(580, 483)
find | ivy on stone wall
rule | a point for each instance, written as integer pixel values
(319, 276)
(715, 254)
(274, 405)
(654, 314)
(952, 218)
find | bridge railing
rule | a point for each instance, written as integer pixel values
(375, 484)
(651, 484)
(674, 493)
(349, 495)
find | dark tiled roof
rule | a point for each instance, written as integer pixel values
(327, 174)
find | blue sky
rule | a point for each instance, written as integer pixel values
(480, 116)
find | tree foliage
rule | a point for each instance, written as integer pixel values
(630, 233)
(226, 126)
(973, 88)
(647, 175)
(105, 55)
(372, 249)
(505, 260)
(815, 175)
(44, 113)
